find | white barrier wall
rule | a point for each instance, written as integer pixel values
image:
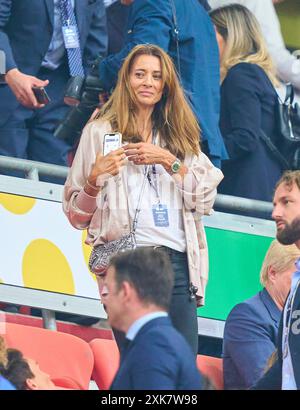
(41, 250)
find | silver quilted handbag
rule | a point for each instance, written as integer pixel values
(101, 254)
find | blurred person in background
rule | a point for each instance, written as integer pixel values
(174, 182)
(25, 373)
(4, 383)
(194, 52)
(251, 328)
(287, 65)
(248, 103)
(46, 42)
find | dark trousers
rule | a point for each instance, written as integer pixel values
(28, 134)
(183, 309)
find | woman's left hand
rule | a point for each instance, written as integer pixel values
(143, 153)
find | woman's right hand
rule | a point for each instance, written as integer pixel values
(106, 166)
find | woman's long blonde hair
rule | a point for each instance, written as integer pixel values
(244, 40)
(172, 115)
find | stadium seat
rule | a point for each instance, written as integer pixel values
(212, 368)
(66, 358)
(106, 358)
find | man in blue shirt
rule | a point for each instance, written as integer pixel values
(185, 31)
(137, 294)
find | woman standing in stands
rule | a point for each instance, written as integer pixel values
(248, 102)
(102, 191)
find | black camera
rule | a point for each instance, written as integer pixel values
(83, 95)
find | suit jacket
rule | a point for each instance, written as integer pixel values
(26, 29)
(272, 380)
(159, 358)
(250, 337)
(248, 101)
(151, 21)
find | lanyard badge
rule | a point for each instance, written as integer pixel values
(70, 35)
(160, 215)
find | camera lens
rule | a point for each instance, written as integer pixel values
(73, 92)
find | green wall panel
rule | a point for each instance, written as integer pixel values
(235, 260)
(289, 16)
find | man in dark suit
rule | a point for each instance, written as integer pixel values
(31, 36)
(137, 294)
(285, 373)
(251, 328)
(184, 30)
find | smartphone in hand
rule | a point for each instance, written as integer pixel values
(41, 95)
(111, 142)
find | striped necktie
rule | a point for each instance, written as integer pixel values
(74, 54)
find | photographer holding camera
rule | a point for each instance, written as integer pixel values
(46, 42)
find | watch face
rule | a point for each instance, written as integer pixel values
(175, 166)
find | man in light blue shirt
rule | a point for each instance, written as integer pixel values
(137, 294)
(285, 373)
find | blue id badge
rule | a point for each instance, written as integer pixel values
(160, 215)
(70, 37)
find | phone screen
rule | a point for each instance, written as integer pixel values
(111, 142)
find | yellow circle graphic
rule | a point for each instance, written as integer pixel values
(86, 249)
(15, 204)
(45, 267)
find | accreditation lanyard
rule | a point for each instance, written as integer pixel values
(287, 314)
(159, 211)
(154, 183)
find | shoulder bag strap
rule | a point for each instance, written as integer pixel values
(283, 162)
(289, 94)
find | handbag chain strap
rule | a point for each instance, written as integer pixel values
(138, 208)
(283, 162)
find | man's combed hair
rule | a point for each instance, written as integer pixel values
(150, 273)
(280, 257)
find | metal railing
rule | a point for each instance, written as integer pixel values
(32, 170)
